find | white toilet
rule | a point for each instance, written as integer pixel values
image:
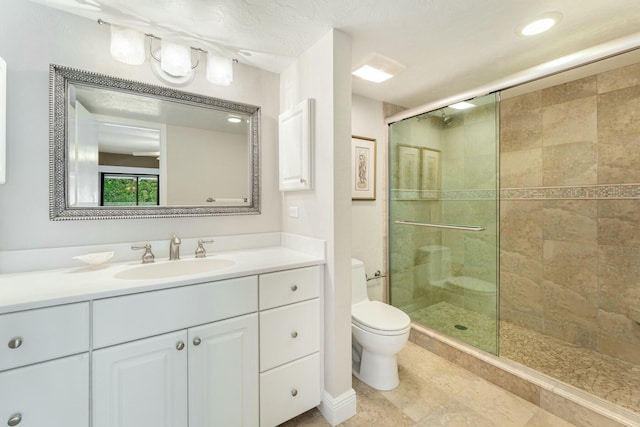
(379, 331)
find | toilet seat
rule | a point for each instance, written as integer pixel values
(379, 318)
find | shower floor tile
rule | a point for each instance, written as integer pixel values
(606, 377)
(444, 317)
(609, 378)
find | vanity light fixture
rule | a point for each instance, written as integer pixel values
(541, 24)
(175, 58)
(219, 69)
(173, 62)
(127, 45)
(377, 68)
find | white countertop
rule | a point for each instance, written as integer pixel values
(22, 291)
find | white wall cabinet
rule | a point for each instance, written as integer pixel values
(295, 147)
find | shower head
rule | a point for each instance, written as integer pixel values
(446, 120)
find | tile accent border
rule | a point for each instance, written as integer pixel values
(587, 192)
(597, 192)
(569, 403)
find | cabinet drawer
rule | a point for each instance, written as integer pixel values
(289, 390)
(54, 393)
(131, 317)
(43, 334)
(286, 287)
(288, 333)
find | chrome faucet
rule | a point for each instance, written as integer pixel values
(174, 248)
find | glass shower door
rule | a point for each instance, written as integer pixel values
(443, 220)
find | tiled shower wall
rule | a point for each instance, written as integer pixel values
(570, 212)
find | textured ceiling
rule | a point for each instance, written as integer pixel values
(448, 46)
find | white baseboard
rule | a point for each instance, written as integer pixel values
(338, 409)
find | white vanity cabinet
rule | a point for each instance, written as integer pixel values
(203, 374)
(238, 350)
(44, 367)
(290, 373)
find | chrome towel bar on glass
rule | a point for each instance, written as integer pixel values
(445, 226)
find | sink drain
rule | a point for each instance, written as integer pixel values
(461, 327)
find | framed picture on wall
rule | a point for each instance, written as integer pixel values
(431, 176)
(363, 168)
(408, 171)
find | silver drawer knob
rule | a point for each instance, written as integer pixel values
(294, 392)
(15, 419)
(197, 341)
(294, 288)
(180, 345)
(294, 334)
(15, 342)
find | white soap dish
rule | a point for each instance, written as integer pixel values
(96, 259)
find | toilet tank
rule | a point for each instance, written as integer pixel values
(358, 282)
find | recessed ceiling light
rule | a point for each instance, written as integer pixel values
(234, 119)
(367, 72)
(377, 68)
(462, 106)
(540, 24)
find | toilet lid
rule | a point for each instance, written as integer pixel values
(380, 316)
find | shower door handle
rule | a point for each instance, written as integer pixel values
(444, 226)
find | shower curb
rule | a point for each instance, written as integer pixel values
(563, 400)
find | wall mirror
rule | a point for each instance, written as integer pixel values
(123, 149)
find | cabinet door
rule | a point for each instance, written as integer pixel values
(296, 147)
(142, 383)
(54, 393)
(223, 373)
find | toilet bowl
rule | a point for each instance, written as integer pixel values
(379, 331)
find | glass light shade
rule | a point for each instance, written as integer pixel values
(127, 45)
(175, 59)
(219, 69)
(537, 27)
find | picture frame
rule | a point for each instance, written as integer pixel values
(430, 176)
(363, 168)
(409, 158)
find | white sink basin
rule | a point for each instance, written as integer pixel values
(184, 267)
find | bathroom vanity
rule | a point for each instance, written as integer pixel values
(236, 346)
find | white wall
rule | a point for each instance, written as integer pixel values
(324, 73)
(33, 37)
(203, 163)
(368, 229)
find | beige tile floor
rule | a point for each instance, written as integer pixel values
(434, 392)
